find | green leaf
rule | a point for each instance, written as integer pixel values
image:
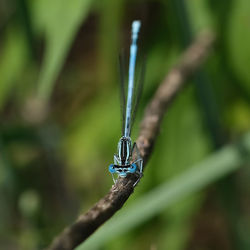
(239, 40)
(12, 62)
(199, 15)
(60, 20)
(219, 164)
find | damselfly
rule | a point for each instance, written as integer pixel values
(128, 159)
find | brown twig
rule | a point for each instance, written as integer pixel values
(87, 223)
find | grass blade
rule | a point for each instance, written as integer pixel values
(61, 24)
(219, 164)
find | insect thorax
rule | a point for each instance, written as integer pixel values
(124, 151)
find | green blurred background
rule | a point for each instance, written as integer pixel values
(60, 120)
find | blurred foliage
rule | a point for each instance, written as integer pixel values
(215, 166)
(60, 121)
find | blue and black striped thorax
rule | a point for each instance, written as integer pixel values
(124, 151)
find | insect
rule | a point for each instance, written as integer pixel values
(128, 159)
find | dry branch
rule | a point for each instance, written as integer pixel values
(106, 207)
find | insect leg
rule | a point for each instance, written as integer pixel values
(138, 160)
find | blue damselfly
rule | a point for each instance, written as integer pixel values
(128, 159)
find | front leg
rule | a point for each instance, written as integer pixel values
(138, 158)
(116, 161)
(139, 161)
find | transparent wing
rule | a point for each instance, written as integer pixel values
(138, 88)
(123, 89)
(135, 153)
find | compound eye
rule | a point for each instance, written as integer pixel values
(132, 168)
(111, 168)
